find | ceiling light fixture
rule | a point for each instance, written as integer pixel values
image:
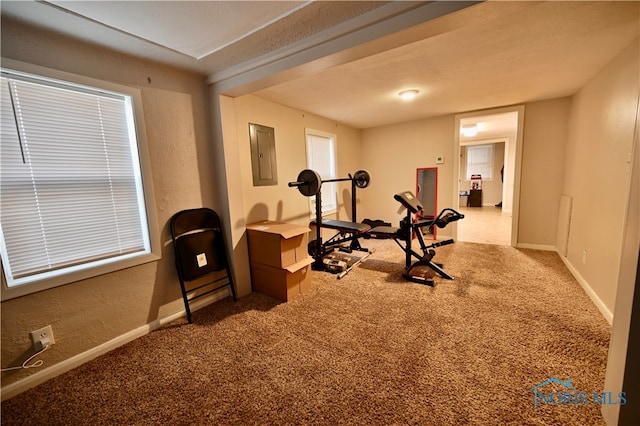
(407, 95)
(469, 130)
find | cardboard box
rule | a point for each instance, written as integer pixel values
(282, 283)
(277, 244)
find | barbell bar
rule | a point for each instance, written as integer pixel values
(309, 181)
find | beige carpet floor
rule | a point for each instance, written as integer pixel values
(369, 349)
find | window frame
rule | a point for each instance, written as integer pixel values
(333, 187)
(74, 274)
(491, 149)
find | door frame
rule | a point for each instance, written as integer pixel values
(515, 214)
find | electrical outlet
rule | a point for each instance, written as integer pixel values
(44, 333)
(584, 257)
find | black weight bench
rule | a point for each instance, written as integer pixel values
(408, 228)
(345, 232)
(385, 232)
(344, 226)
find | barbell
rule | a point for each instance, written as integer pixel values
(309, 181)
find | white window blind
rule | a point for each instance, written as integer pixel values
(70, 186)
(321, 158)
(480, 161)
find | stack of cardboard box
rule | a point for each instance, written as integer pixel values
(279, 259)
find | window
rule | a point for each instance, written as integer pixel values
(480, 161)
(72, 198)
(321, 157)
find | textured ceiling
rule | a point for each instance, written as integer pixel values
(315, 18)
(203, 36)
(465, 58)
(193, 28)
(536, 52)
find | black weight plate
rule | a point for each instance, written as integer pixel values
(312, 182)
(362, 178)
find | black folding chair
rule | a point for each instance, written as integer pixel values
(200, 252)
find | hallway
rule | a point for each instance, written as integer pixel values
(486, 225)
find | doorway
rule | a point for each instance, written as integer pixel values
(487, 175)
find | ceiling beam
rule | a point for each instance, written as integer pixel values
(349, 41)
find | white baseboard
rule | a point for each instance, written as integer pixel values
(606, 313)
(45, 374)
(536, 247)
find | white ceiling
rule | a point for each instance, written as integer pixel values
(481, 56)
(203, 36)
(490, 127)
(193, 28)
(536, 52)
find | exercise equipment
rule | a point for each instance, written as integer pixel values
(309, 183)
(404, 235)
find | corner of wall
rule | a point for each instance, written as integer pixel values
(604, 310)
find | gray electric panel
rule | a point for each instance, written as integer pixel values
(263, 155)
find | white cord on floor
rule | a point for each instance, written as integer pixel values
(38, 363)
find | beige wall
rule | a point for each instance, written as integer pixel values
(392, 154)
(624, 346)
(280, 202)
(601, 126)
(246, 203)
(543, 157)
(89, 313)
